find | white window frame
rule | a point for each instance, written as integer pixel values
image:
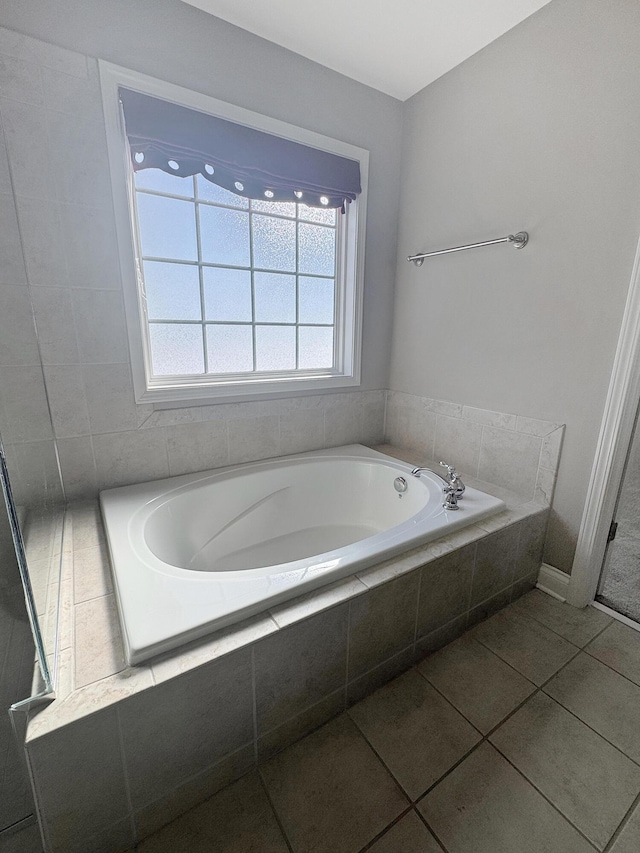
(349, 260)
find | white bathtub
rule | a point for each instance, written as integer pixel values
(195, 553)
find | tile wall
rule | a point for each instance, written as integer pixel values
(514, 452)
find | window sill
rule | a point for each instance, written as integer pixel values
(245, 391)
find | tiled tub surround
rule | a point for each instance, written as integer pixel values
(121, 751)
(511, 451)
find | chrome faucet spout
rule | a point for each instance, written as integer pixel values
(417, 471)
(453, 484)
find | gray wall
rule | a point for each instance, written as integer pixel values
(539, 131)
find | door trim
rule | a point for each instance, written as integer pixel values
(611, 451)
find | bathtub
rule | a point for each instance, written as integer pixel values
(196, 553)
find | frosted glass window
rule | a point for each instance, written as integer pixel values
(317, 249)
(275, 347)
(176, 349)
(173, 291)
(232, 285)
(224, 236)
(275, 298)
(317, 214)
(230, 349)
(163, 182)
(212, 192)
(227, 294)
(316, 299)
(277, 208)
(315, 347)
(274, 243)
(167, 227)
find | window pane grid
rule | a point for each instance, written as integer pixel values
(205, 348)
(271, 352)
(291, 325)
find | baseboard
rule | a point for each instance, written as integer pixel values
(553, 582)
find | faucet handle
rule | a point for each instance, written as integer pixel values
(451, 471)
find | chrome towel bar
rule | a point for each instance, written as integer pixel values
(519, 241)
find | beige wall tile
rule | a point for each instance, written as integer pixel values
(32, 170)
(65, 390)
(100, 326)
(301, 430)
(78, 467)
(495, 564)
(160, 812)
(382, 623)
(488, 418)
(110, 398)
(197, 446)
(53, 312)
(510, 459)
(458, 443)
(81, 784)
(253, 438)
(18, 342)
(300, 665)
(90, 246)
(445, 589)
(123, 458)
(184, 726)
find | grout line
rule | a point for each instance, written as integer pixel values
(415, 624)
(557, 633)
(402, 791)
(348, 652)
(273, 810)
(545, 797)
(315, 728)
(431, 830)
(389, 826)
(622, 825)
(254, 703)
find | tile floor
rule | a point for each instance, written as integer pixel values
(522, 736)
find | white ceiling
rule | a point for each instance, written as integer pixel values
(396, 46)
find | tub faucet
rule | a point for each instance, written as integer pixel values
(453, 486)
(454, 480)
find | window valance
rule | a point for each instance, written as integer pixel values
(249, 162)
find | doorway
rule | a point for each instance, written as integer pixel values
(619, 584)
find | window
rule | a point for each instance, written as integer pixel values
(234, 285)
(233, 296)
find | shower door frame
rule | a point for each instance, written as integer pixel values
(616, 431)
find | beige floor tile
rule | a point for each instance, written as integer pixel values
(409, 835)
(480, 685)
(525, 644)
(416, 732)
(619, 647)
(587, 779)
(237, 820)
(629, 839)
(602, 699)
(577, 626)
(486, 806)
(331, 792)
